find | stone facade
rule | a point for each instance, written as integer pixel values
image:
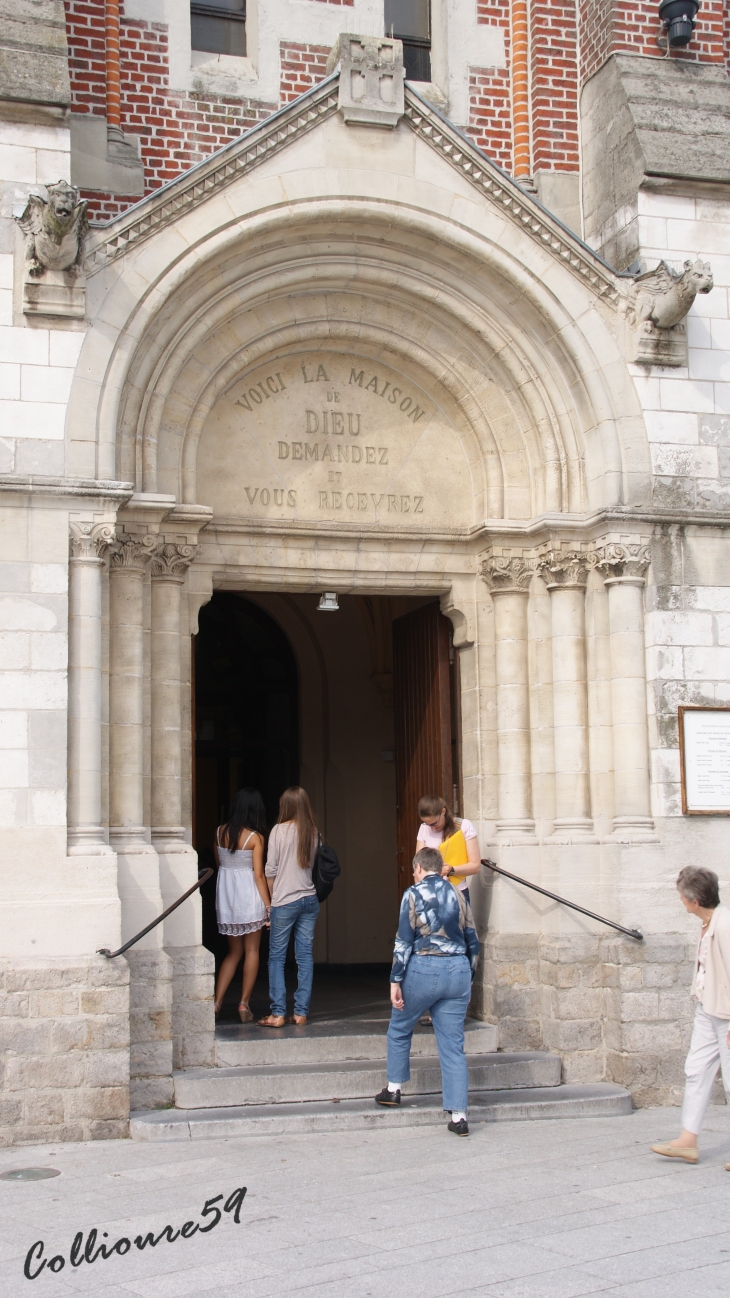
(362, 358)
(64, 1029)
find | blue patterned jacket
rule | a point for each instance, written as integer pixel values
(435, 919)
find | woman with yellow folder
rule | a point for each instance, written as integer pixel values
(455, 839)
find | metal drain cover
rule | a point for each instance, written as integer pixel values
(29, 1174)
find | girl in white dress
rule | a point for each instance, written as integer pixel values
(242, 898)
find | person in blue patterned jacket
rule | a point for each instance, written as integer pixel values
(434, 961)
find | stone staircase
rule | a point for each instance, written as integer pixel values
(323, 1077)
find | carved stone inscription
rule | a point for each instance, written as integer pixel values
(329, 436)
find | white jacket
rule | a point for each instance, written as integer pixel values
(716, 995)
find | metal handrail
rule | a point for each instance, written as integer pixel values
(630, 932)
(111, 955)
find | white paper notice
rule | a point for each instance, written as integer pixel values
(707, 759)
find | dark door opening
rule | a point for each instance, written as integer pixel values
(246, 723)
(357, 705)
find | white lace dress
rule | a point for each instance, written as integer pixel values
(237, 899)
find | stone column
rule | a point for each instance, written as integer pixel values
(508, 579)
(137, 862)
(88, 543)
(192, 965)
(565, 574)
(624, 572)
(169, 565)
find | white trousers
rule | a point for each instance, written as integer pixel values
(708, 1051)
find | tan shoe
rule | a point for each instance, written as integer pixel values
(685, 1152)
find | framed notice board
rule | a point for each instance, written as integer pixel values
(704, 750)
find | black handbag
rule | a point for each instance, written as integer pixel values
(325, 870)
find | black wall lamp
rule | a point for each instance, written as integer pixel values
(678, 17)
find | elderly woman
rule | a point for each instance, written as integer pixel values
(434, 960)
(710, 1045)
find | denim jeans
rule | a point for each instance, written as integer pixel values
(441, 984)
(301, 916)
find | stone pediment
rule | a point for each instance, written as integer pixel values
(286, 127)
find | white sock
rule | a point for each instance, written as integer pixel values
(394, 1086)
(458, 1115)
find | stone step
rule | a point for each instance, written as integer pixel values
(238, 1045)
(590, 1100)
(214, 1088)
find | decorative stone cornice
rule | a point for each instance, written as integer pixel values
(565, 569)
(507, 574)
(618, 562)
(267, 138)
(132, 553)
(88, 542)
(172, 561)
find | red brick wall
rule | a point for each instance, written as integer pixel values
(302, 66)
(176, 130)
(490, 114)
(554, 81)
(490, 106)
(632, 26)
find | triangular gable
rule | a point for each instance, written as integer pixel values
(288, 125)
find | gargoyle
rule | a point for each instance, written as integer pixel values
(54, 228)
(663, 298)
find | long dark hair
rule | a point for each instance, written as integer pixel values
(294, 805)
(247, 812)
(432, 805)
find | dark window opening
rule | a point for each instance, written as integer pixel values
(219, 27)
(409, 21)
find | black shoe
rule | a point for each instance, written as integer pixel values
(390, 1098)
(460, 1128)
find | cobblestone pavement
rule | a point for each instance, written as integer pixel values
(520, 1210)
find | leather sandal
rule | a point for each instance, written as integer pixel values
(244, 1013)
(298, 1020)
(271, 1021)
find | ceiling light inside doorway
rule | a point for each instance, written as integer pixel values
(328, 602)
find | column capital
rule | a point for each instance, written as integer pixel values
(564, 569)
(132, 552)
(624, 562)
(88, 541)
(507, 574)
(171, 561)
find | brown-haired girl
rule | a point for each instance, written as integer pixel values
(456, 840)
(292, 847)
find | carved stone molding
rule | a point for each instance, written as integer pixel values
(564, 569)
(172, 561)
(506, 574)
(618, 562)
(371, 79)
(132, 553)
(88, 542)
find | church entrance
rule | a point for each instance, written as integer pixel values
(357, 705)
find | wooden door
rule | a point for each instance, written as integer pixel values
(423, 729)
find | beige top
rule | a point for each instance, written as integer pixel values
(714, 991)
(291, 882)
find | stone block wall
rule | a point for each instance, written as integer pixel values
(64, 1045)
(150, 1027)
(193, 1018)
(614, 1009)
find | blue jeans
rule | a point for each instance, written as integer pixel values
(441, 984)
(301, 916)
